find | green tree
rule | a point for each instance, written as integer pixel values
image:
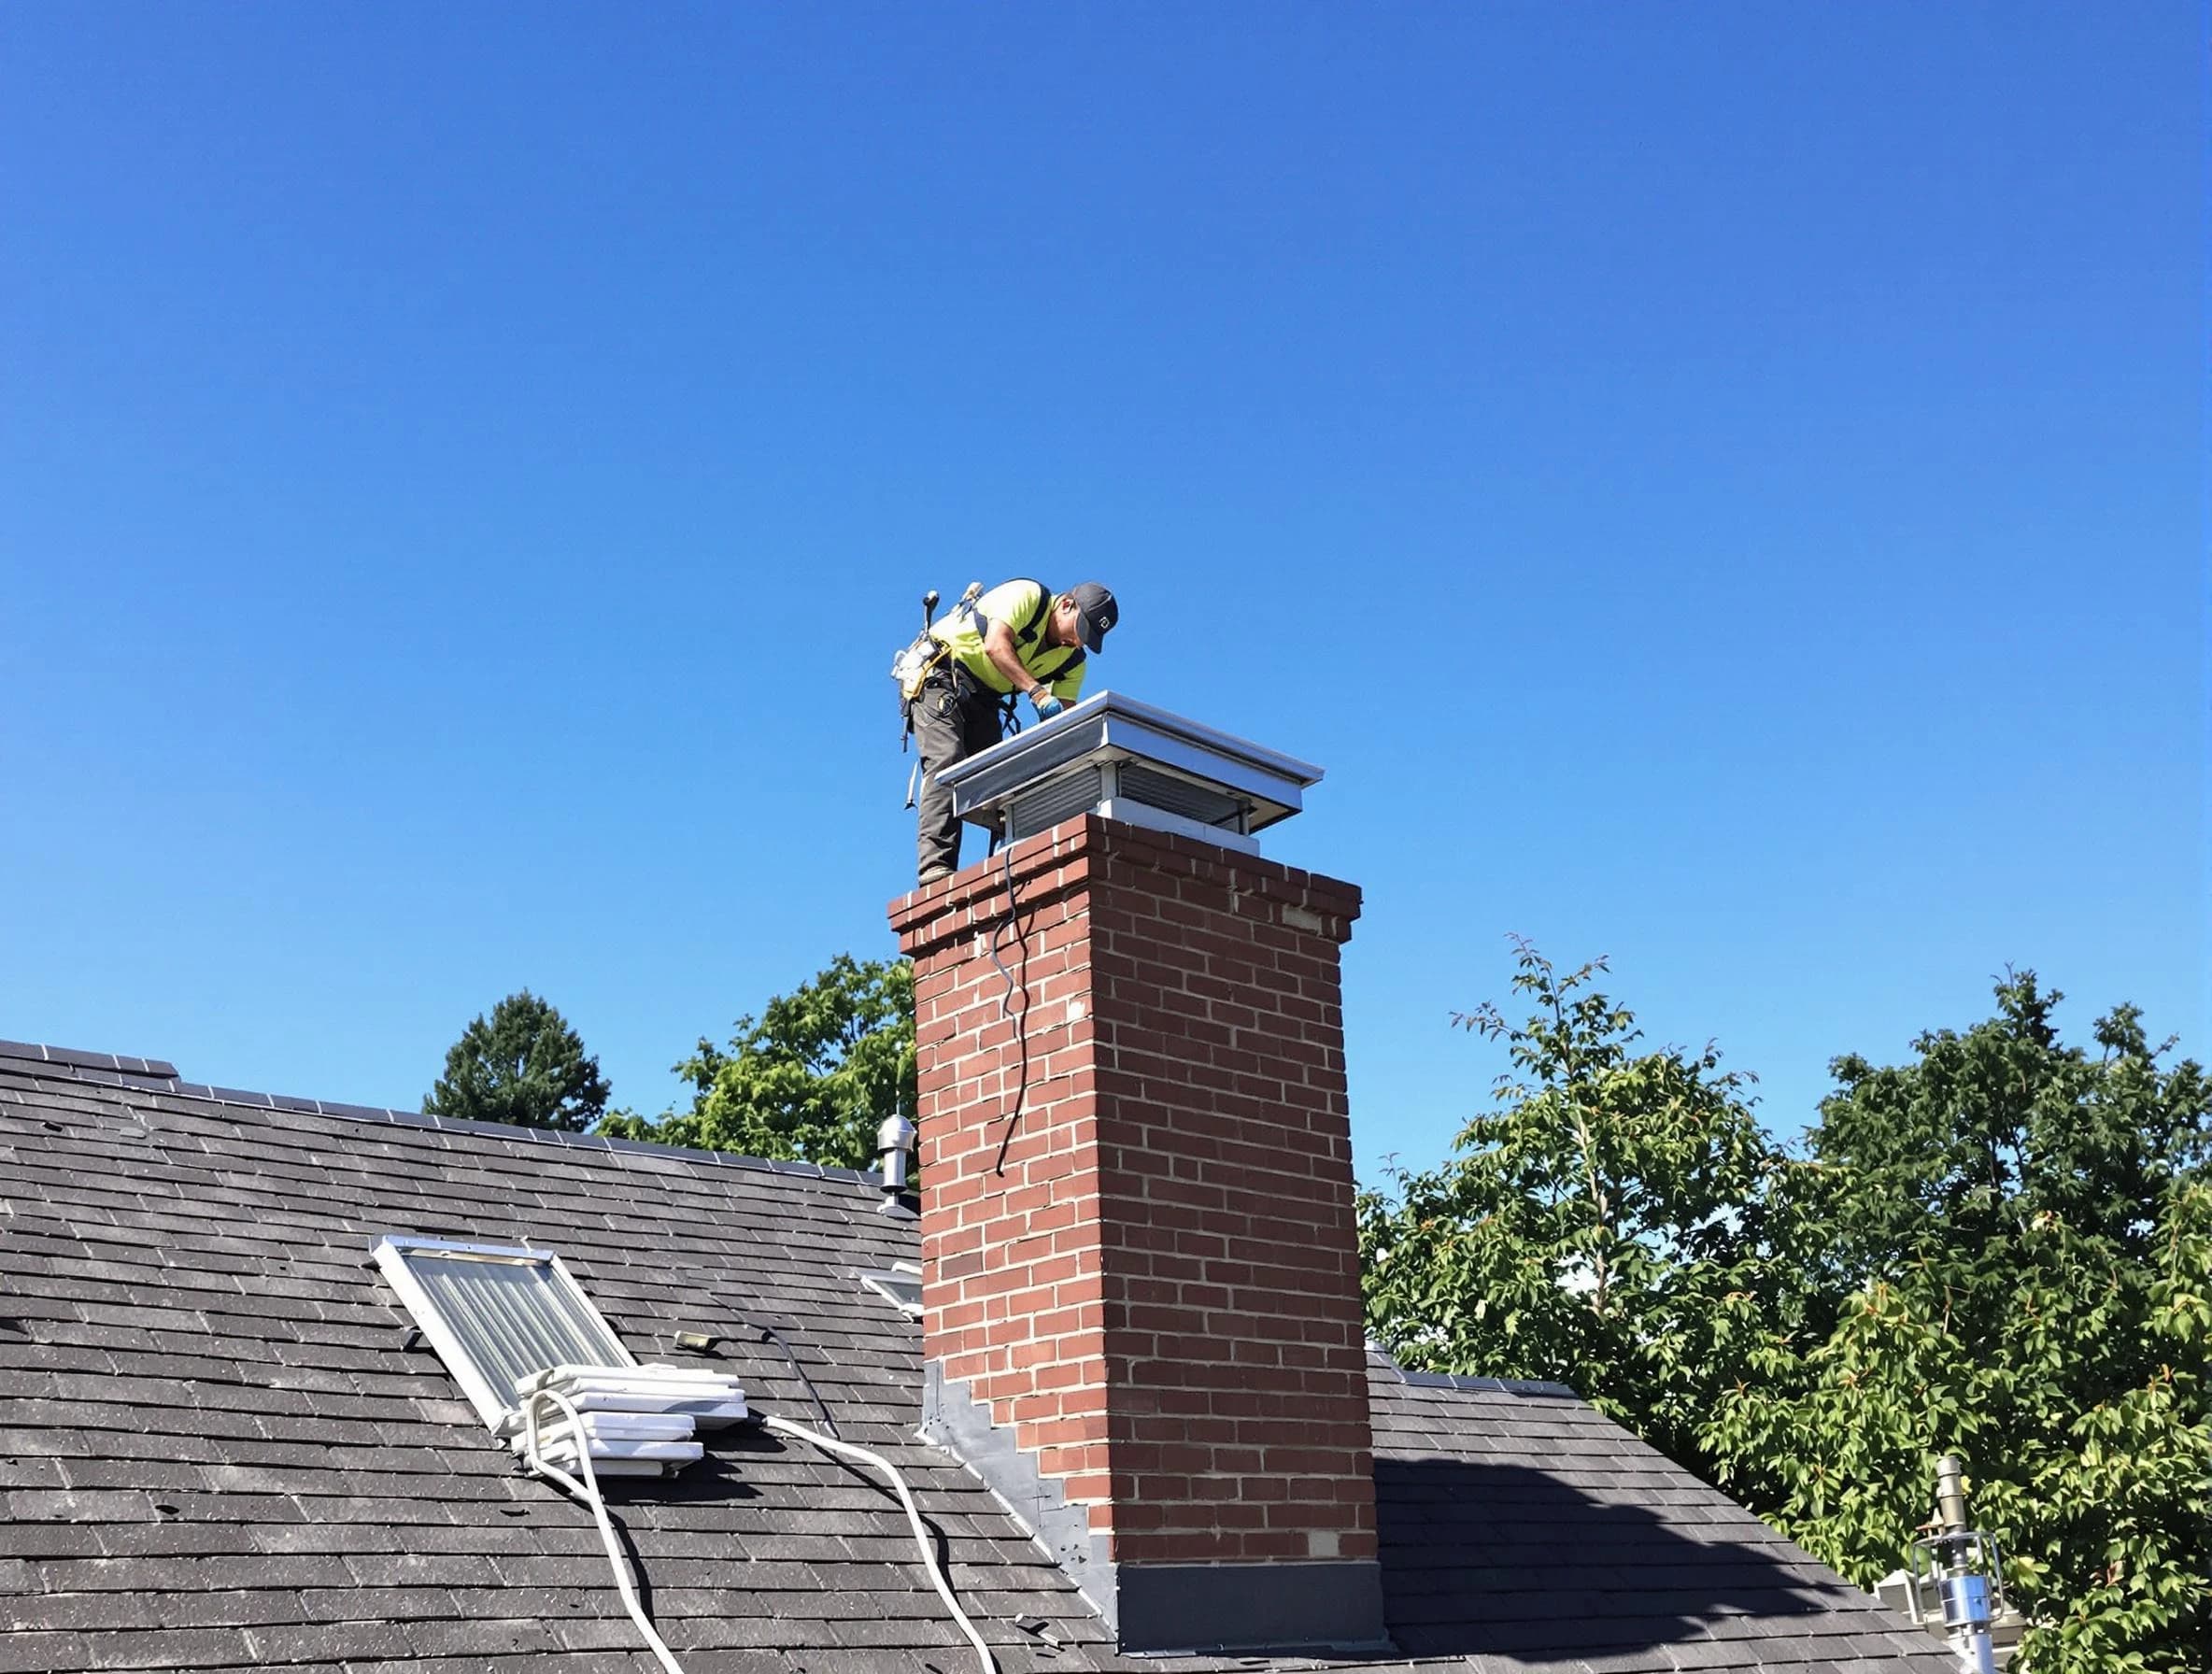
(2005, 1249)
(811, 1079)
(525, 1065)
(1598, 1227)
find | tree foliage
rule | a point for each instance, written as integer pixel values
(811, 1079)
(523, 1065)
(2002, 1248)
(1590, 1231)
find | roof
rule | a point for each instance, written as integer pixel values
(223, 1446)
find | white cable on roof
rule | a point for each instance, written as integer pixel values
(914, 1515)
(587, 1491)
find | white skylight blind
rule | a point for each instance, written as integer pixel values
(497, 1314)
(515, 1316)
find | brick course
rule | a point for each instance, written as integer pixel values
(1138, 1244)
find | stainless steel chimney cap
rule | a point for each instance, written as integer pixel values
(1133, 761)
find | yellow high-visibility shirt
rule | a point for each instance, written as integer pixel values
(1026, 608)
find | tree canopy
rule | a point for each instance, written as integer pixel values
(811, 1079)
(1590, 1226)
(524, 1065)
(2002, 1248)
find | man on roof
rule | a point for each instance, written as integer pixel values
(1016, 641)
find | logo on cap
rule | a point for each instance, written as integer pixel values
(1097, 610)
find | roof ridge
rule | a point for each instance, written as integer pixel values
(511, 1132)
(1463, 1381)
(70, 1058)
(1446, 1379)
(110, 1069)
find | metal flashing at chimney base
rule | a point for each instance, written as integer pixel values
(1188, 1607)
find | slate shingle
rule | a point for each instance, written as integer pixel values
(226, 1453)
(36, 1651)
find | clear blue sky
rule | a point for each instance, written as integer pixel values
(1718, 486)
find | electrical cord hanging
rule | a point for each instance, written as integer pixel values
(587, 1491)
(913, 1516)
(1021, 1023)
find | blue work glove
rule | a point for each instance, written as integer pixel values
(1047, 706)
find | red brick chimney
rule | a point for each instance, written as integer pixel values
(1139, 1271)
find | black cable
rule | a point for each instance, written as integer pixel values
(821, 1406)
(1021, 1023)
(1006, 1000)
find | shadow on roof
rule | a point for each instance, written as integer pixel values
(1499, 1559)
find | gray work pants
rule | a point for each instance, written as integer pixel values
(953, 717)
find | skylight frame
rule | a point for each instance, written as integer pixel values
(893, 1284)
(498, 1408)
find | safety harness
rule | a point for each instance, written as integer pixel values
(1026, 635)
(913, 666)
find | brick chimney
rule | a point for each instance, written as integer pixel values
(1140, 1271)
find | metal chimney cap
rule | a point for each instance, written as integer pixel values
(1130, 760)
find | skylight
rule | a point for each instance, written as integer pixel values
(496, 1313)
(902, 1287)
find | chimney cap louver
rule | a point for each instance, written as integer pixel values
(1132, 762)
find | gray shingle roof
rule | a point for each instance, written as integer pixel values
(220, 1448)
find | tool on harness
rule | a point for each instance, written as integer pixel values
(913, 663)
(912, 666)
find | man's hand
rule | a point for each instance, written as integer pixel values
(1047, 706)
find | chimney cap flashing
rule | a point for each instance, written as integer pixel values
(1265, 785)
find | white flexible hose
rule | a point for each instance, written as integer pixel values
(914, 1515)
(587, 1491)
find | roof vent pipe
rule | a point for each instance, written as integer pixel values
(894, 1147)
(1956, 1590)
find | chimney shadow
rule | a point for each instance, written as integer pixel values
(1501, 1560)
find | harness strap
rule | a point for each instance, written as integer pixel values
(1027, 633)
(1029, 629)
(1058, 671)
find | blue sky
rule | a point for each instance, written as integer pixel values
(1719, 486)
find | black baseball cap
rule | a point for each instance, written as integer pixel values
(1097, 611)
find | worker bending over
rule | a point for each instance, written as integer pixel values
(1016, 641)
